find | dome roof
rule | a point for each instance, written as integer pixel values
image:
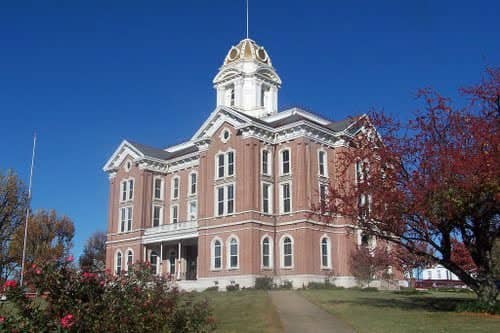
(247, 49)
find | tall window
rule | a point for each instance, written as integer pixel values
(127, 188)
(287, 254)
(130, 259)
(125, 219)
(266, 162)
(267, 198)
(225, 199)
(118, 263)
(232, 98)
(225, 164)
(323, 192)
(285, 162)
(158, 188)
(362, 170)
(175, 187)
(266, 253)
(286, 201)
(217, 254)
(233, 253)
(325, 252)
(322, 163)
(130, 189)
(192, 210)
(154, 260)
(157, 215)
(192, 183)
(220, 165)
(171, 260)
(174, 214)
(230, 163)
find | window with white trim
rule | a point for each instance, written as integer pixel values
(174, 214)
(286, 199)
(267, 198)
(220, 165)
(127, 189)
(266, 252)
(325, 252)
(224, 196)
(157, 215)
(125, 219)
(225, 164)
(175, 187)
(266, 167)
(322, 163)
(230, 163)
(192, 210)
(193, 183)
(323, 193)
(362, 169)
(130, 259)
(216, 254)
(158, 188)
(285, 162)
(118, 263)
(287, 252)
(233, 253)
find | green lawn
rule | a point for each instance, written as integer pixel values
(388, 312)
(244, 311)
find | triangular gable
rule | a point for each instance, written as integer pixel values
(124, 149)
(218, 117)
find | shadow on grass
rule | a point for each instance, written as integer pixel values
(427, 303)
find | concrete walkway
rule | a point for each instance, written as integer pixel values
(298, 315)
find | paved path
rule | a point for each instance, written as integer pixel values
(298, 315)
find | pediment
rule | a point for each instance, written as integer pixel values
(125, 150)
(217, 119)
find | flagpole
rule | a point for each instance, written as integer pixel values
(28, 210)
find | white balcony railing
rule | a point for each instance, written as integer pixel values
(171, 231)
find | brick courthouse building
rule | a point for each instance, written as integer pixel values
(234, 202)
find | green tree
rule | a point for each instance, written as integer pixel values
(13, 204)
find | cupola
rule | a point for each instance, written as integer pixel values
(247, 81)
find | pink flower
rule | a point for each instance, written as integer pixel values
(38, 271)
(68, 321)
(2, 320)
(10, 284)
(70, 258)
(89, 276)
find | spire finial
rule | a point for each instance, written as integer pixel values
(247, 17)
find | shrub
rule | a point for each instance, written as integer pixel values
(233, 287)
(322, 285)
(476, 306)
(410, 291)
(264, 283)
(88, 302)
(286, 284)
(214, 288)
(370, 289)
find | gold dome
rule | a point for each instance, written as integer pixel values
(247, 49)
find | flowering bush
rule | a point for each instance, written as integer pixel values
(72, 301)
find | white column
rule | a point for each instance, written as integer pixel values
(179, 264)
(161, 259)
(144, 254)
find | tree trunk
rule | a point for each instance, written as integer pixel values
(487, 292)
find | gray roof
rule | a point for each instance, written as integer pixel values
(160, 153)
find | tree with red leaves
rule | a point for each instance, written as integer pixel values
(370, 264)
(430, 183)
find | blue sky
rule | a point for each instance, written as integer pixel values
(87, 74)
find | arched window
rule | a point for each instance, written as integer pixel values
(175, 187)
(118, 263)
(233, 253)
(322, 163)
(130, 259)
(266, 251)
(153, 259)
(325, 252)
(287, 252)
(216, 254)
